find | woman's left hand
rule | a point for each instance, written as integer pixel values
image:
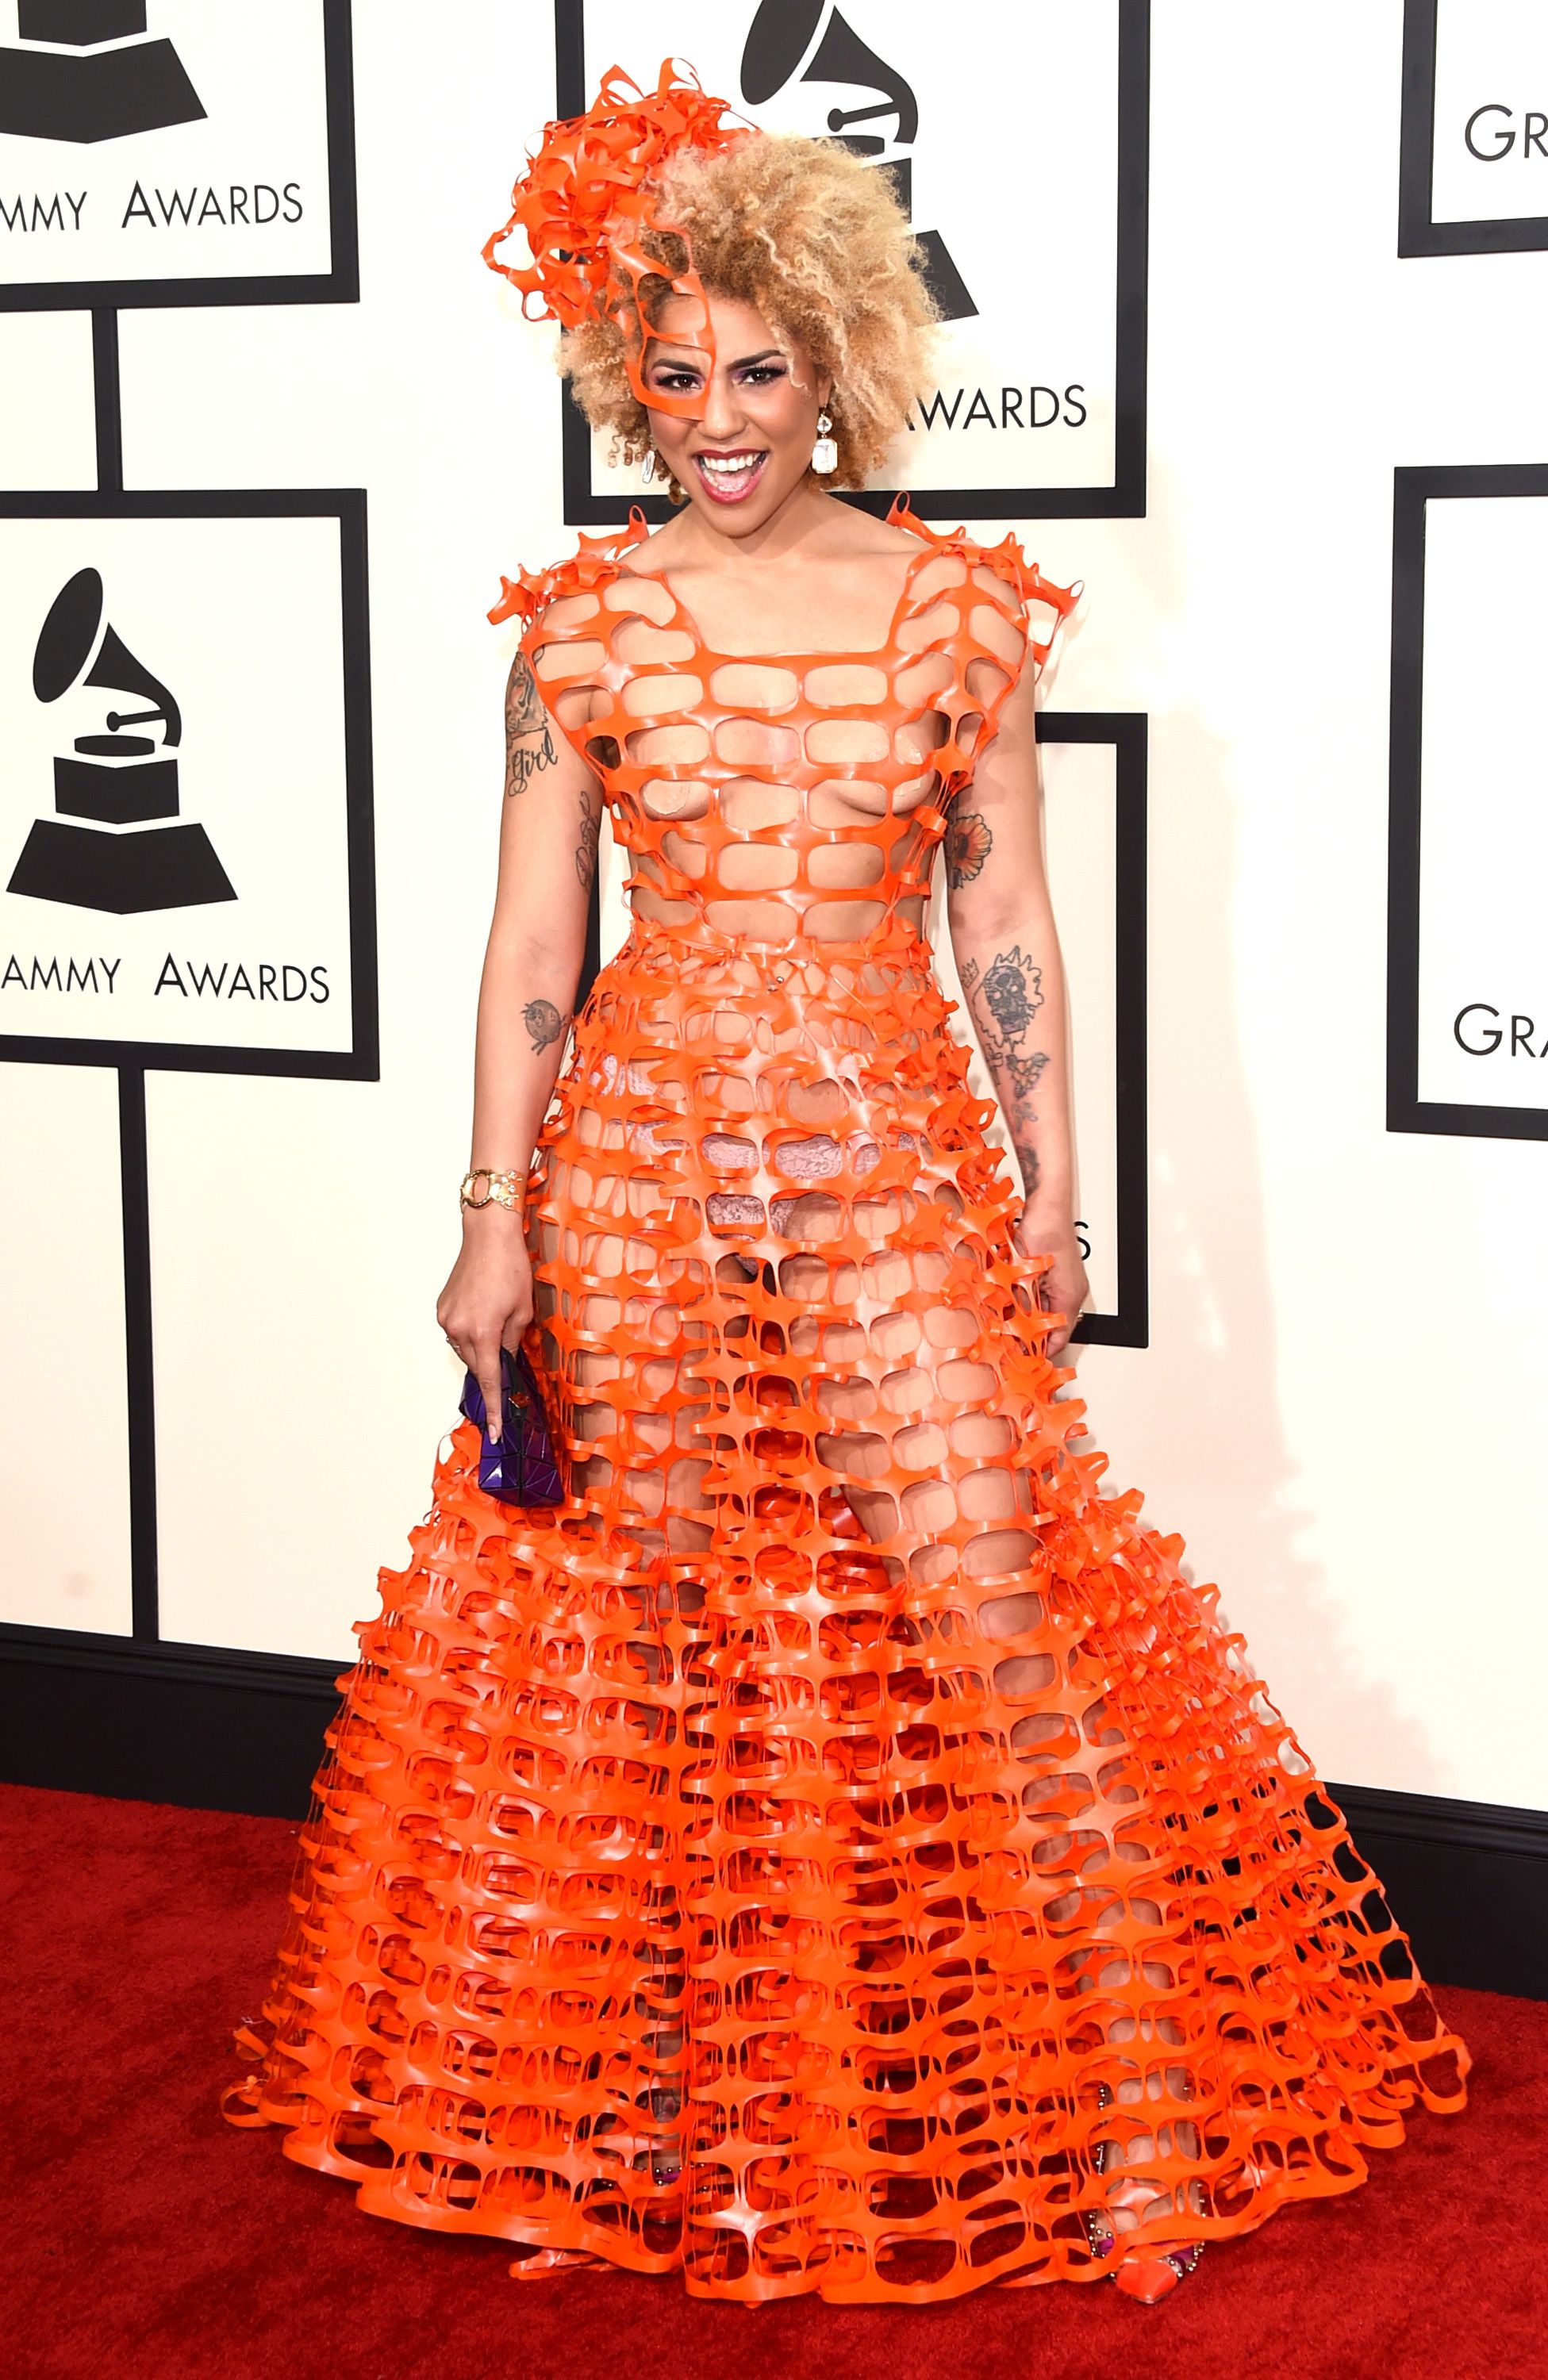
(1064, 1288)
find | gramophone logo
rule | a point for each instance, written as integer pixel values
(779, 40)
(116, 840)
(90, 70)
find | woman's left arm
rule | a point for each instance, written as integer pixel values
(1007, 957)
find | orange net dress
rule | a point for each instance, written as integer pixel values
(836, 1851)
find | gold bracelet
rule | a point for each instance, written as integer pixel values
(501, 1189)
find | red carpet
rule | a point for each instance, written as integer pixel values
(142, 2235)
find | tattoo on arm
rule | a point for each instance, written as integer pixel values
(586, 848)
(1032, 1170)
(528, 743)
(524, 706)
(969, 842)
(1005, 1000)
(544, 1022)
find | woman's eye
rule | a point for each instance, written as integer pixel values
(677, 383)
(758, 374)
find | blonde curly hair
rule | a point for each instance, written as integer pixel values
(819, 244)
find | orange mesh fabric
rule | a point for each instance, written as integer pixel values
(838, 1851)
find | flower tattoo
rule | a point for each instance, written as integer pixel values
(969, 842)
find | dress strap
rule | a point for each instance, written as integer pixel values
(594, 561)
(1010, 565)
(1000, 610)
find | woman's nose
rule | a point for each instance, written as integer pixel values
(723, 415)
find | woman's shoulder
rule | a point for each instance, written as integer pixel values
(1001, 572)
(595, 560)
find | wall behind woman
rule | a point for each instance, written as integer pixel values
(1345, 1388)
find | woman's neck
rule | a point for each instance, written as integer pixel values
(802, 521)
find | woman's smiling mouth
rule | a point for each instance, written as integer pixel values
(729, 478)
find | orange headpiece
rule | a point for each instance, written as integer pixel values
(586, 202)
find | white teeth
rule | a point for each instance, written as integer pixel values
(729, 468)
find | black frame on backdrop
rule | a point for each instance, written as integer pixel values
(339, 285)
(1417, 232)
(112, 1659)
(1413, 487)
(359, 1062)
(1123, 499)
(1128, 732)
(132, 1059)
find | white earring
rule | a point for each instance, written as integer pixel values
(824, 452)
(648, 465)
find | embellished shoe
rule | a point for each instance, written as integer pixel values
(1147, 2275)
(1150, 2278)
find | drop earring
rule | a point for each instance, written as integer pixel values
(824, 452)
(648, 465)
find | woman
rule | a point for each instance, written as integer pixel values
(833, 1849)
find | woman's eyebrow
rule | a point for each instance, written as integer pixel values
(692, 359)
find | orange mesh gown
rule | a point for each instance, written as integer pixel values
(700, 1877)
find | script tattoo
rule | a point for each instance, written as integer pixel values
(969, 842)
(543, 1022)
(586, 848)
(528, 743)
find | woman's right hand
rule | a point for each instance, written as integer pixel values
(487, 1303)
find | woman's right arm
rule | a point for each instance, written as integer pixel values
(548, 861)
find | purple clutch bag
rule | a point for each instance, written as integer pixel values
(520, 1468)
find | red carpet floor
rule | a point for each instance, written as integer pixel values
(142, 2235)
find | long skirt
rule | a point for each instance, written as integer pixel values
(837, 1849)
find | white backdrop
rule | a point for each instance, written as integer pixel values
(1347, 1389)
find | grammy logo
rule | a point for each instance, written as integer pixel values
(778, 39)
(116, 840)
(78, 89)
